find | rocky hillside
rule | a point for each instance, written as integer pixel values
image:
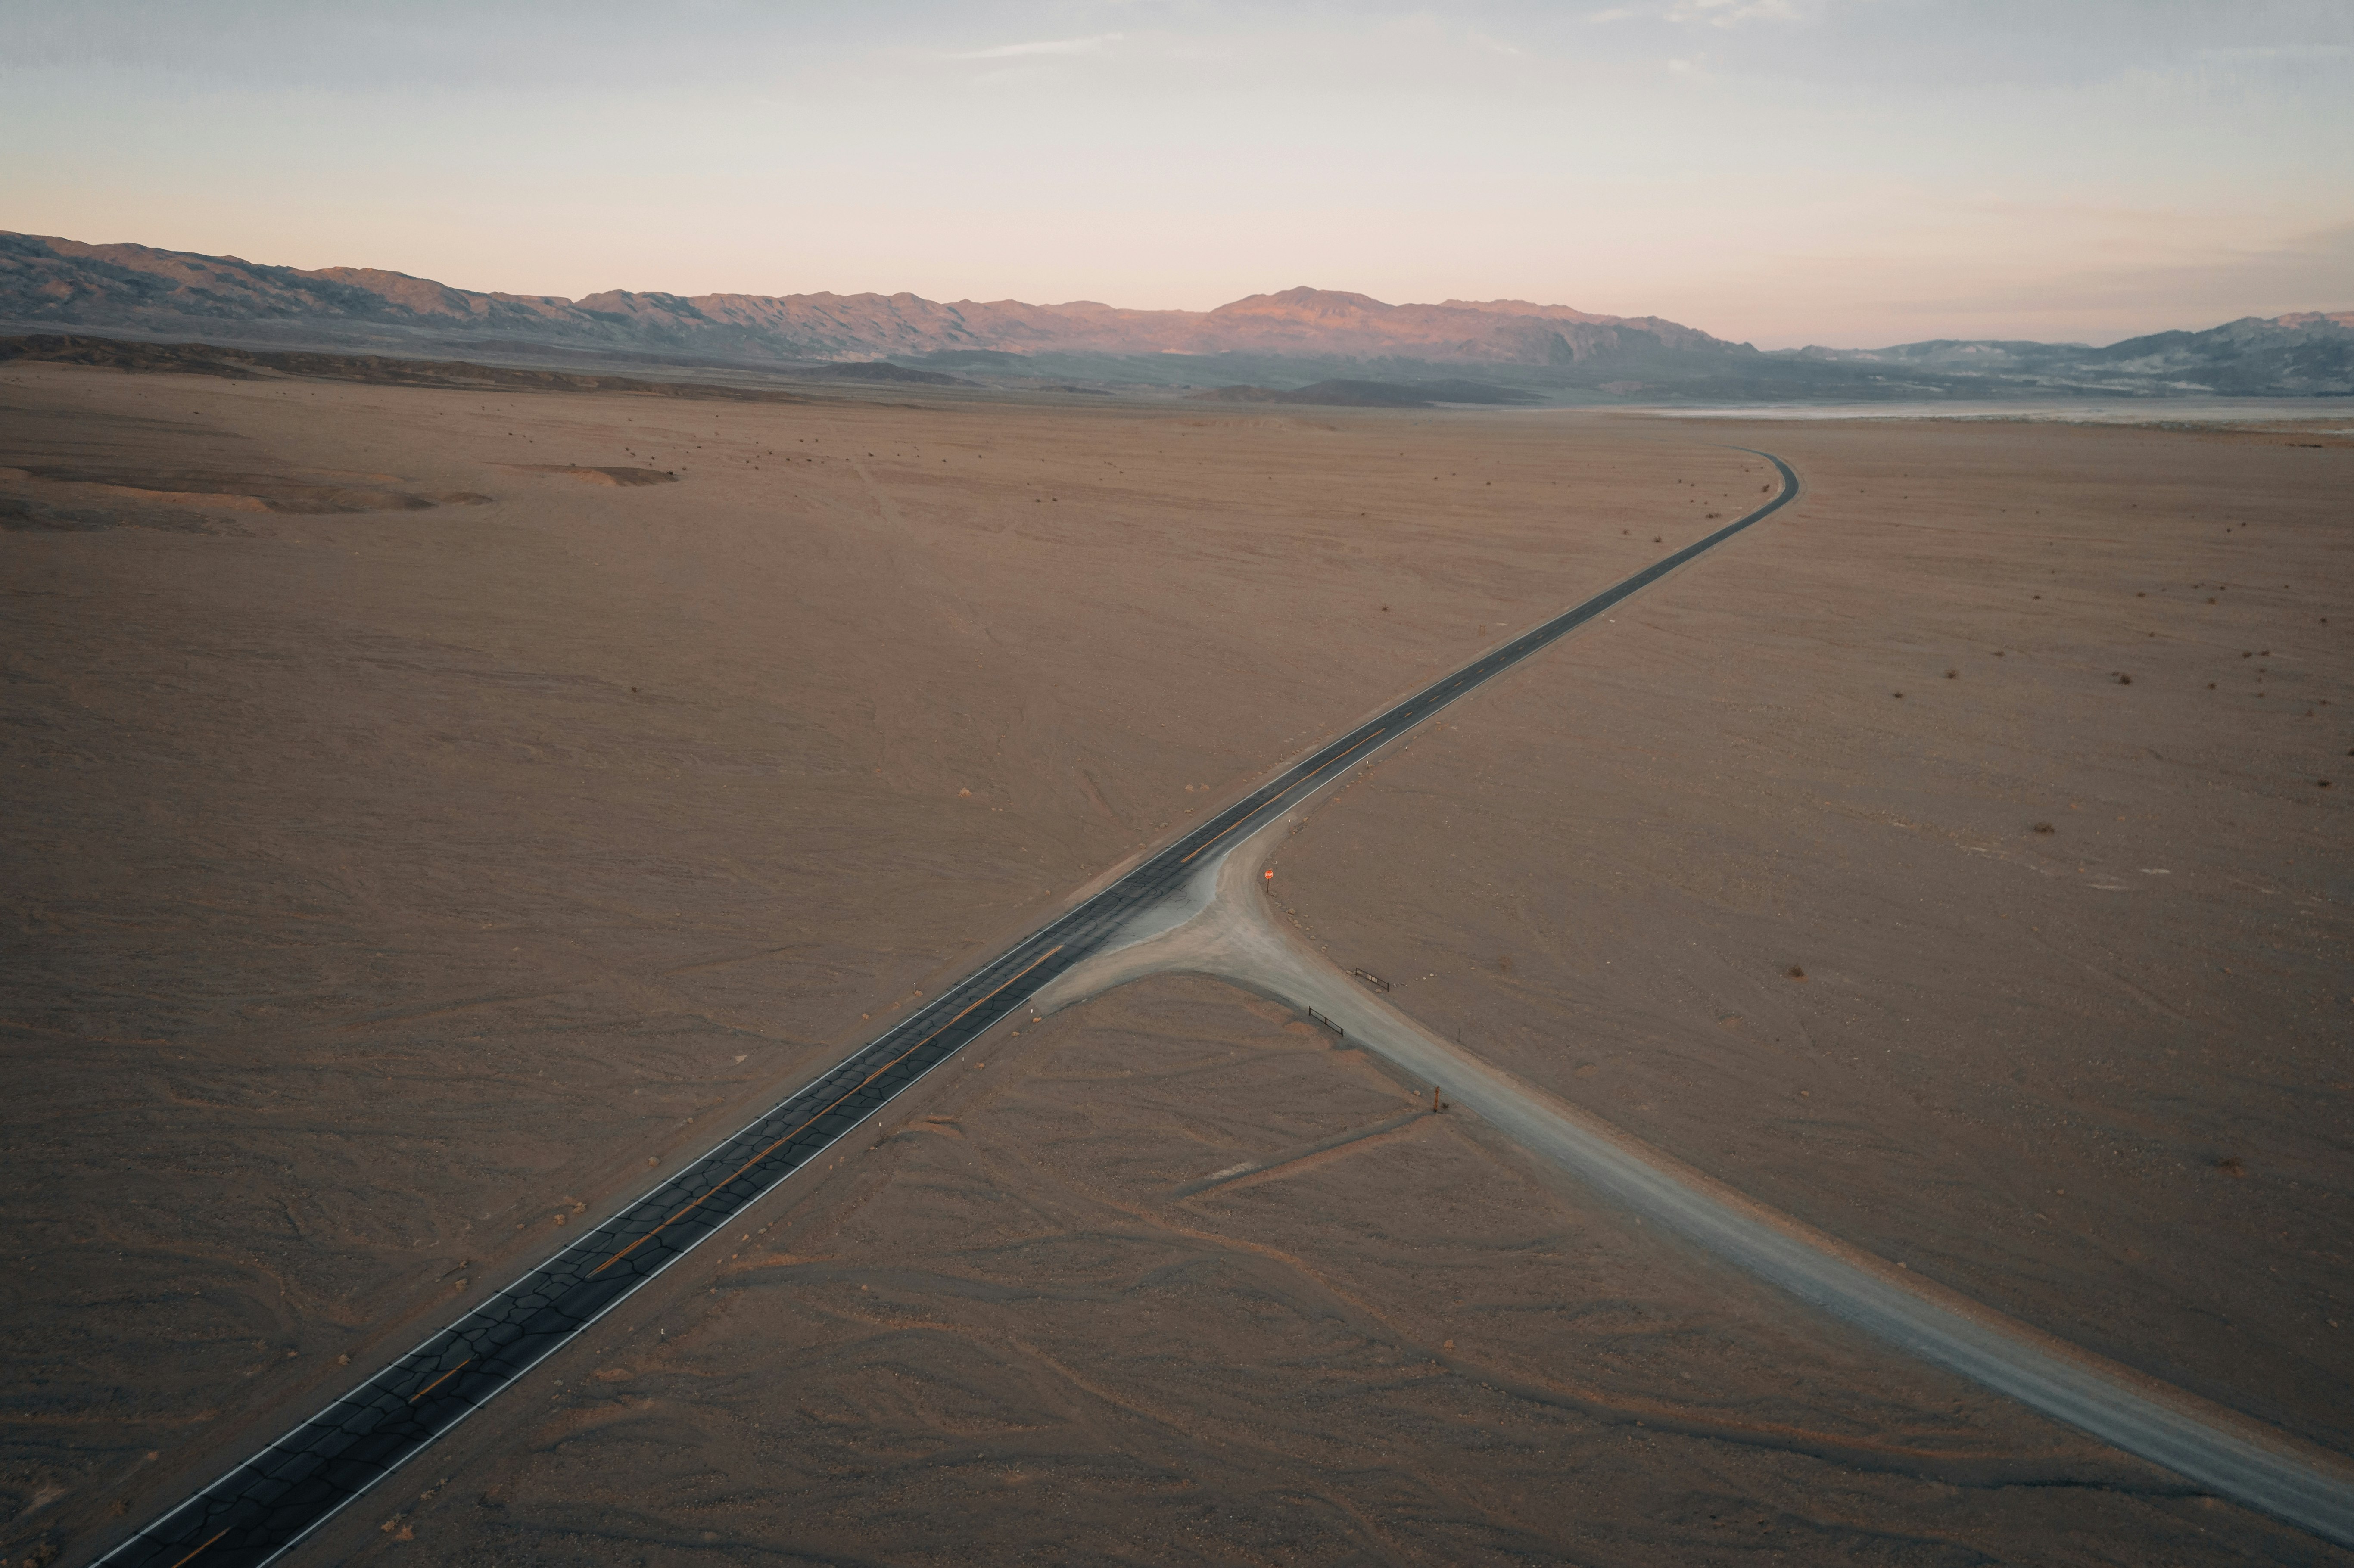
(2310, 354)
(1276, 340)
(52, 283)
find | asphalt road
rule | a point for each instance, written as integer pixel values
(280, 1495)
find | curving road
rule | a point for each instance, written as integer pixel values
(291, 1488)
(271, 1500)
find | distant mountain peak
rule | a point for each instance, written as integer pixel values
(2315, 318)
(1527, 308)
(1339, 337)
(46, 283)
(1304, 303)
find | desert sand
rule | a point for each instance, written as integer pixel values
(416, 827)
(1988, 907)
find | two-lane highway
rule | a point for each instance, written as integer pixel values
(271, 1500)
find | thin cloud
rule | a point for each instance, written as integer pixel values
(1731, 13)
(1095, 44)
(2299, 52)
(1715, 12)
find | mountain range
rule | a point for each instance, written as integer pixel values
(1299, 336)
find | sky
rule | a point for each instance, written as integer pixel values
(1853, 172)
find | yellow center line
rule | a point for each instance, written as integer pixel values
(1239, 821)
(437, 1381)
(224, 1530)
(721, 1186)
(1214, 838)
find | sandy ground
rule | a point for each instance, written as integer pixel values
(2074, 1033)
(410, 838)
(1016, 1326)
